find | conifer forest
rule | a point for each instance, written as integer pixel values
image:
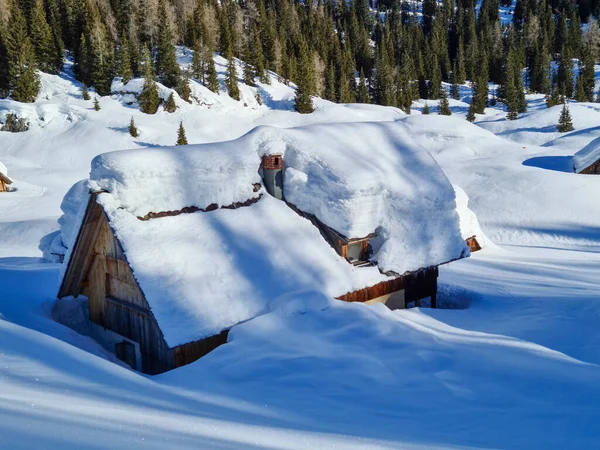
(388, 52)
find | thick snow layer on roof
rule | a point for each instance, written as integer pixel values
(171, 178)
(206, 271)
(587, 156)
(3, 169)
(361, 178)
(469, 225)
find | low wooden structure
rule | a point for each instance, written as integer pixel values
(99, 269)
(593, 169)
(4, 182)
(399, 292)
(473, 244)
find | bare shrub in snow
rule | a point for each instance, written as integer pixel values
(15, 124)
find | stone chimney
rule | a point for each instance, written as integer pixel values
(272, 166)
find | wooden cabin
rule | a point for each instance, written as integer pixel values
(5, 182)
(587, 160)
(593, 169)
(99, 270)
(176, 246)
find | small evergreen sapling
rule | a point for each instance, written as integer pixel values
(133, 131)
(471, 112)
(426, 109)
(96, 104)
(170, 105)
(444, 106)
(184, 90)
(565, 123)
(181, 139)
(84, 92)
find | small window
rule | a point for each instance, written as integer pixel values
(276, 161)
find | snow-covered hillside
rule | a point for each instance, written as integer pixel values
(512, 362)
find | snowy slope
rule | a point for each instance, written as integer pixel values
(516, 368)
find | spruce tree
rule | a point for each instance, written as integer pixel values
(133, 131)
(454, 91)
(444, 106)
(167, 67)
(96, 104)
(213, 82)
(363, 90)
(125, 62)
(181, 139)
(197, 63)
(425, 109)
(23, 81)
(471, 112)
(84, 92)
(149, 98)
(565, 123)
(565, 72)
(231, 78)
(586, 78)
(170, 105)
(305, 82)
(184, 89)
(42, 39)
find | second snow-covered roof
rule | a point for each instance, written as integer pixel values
(587, 156)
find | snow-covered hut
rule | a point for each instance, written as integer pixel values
(5, 182)
(587, 160)
(174, 246)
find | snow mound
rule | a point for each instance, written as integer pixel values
(171, 178)
(587, 156)
(469, 225)
(207, 271)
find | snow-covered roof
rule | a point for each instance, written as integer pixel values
(3, 169)
(202, 272)
(587, 156)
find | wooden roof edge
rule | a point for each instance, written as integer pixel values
(193, 209)
(343, 239)
(63, 291)
(5, 179)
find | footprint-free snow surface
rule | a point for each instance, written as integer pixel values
(513, 361)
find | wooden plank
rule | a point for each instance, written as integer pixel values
(188, 353)
(97, 291)
(83, 250)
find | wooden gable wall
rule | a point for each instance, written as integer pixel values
(99, 269)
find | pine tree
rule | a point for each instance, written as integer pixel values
(565, 73)
(42, 39)
(133, 131)
(184, 89)
(565, 123)
(170, 105)
(149, 98)
(213, 82)
(125, 62)
(96, 104)
(24, 82)
(454, 91)
(197, 63)
(181, 139)
(167, 67)
(231, 78)
(305, 82)
(471, 112)
(425, 109)
(586, 78)
(84, 92)
(444, 106)
(363, 90)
